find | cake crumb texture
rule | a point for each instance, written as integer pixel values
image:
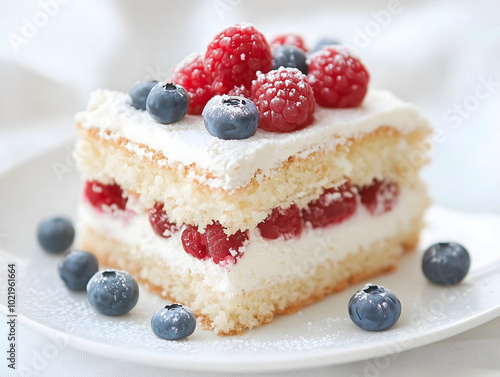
(141, 170)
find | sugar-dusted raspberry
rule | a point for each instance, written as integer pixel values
(284, 99)
(222, 248)
(380, 196)
(240, 91)
(194, 243)
(235, 55)
(338, 79)
(160, 222)
(332, 207)
(286, 223)
(105, 197)
(190, 74)
(288, 39)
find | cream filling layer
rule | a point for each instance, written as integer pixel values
(231, 164)
(264, 262)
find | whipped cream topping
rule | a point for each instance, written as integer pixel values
(264, 262)
(232, 164)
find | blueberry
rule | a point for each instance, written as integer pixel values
(55, 234)
(290, 56)
(139, 93)
(167, 103)
(173, 322)
(76, 269)
(113, 292)
(231, 117)
(446, 263)
(323, 42)
(374, 308)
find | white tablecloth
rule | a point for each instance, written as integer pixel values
(445, 57)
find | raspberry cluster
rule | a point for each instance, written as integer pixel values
(228, 66)
(239, 62)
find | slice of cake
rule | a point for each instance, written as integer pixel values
(240, 230)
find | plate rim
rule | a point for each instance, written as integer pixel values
(278, 362)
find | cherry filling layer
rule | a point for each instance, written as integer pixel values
(334, 206)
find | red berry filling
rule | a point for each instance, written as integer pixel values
(194, 243)
(286, 223)
(338, 79)
(380, 196)
(214, 243)
(235, 55)
(332, 207)
(160, 221)
(221, 247)
(104, 196)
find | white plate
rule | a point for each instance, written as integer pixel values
(318, 335)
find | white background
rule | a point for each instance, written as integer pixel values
(442, 56)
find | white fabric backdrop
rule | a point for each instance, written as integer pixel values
(443, 56)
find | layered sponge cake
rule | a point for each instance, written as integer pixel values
(241, 230)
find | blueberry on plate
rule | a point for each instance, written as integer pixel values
(173, 322)
(323, 42)
(231, 117)
(446, 263)
(55, 234)
(290, 56)
(139, 93)
(374, 308)
(167, 103)
(76, 269)
(113, 292)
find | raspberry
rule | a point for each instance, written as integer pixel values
(284, 99)
(221, 87)
(332, 207)
(282, 222)
(338, 79)
(288, 39)
(160, 222)
(240, 91)
(380, 196)
(221, 247)
(194, 243)
(190, 74)
(235, 55)
(104, 196)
